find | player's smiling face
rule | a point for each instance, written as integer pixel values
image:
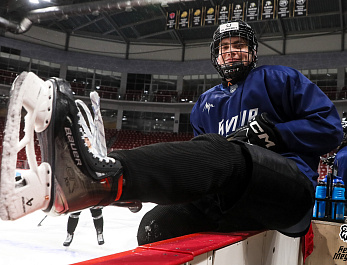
(233, 50)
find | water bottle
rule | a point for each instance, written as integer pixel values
(321, 193)
(338, 208)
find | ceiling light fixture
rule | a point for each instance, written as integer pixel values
(128, 7)
(164, 4)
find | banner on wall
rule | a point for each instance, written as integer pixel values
(300, 8)
(268, 9)
(252, 10)
(171, 20)
(196, 17)
(237, 11)
(209, 15)
(223, 12)
(283, 9)
(183, 19)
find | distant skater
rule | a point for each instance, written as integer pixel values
(98, 223)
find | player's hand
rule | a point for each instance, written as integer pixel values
(240, 134)
(262, 132)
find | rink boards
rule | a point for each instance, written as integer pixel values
(241, 248)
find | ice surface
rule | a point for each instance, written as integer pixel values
(24, 242)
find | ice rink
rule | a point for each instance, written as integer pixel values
(24, 242)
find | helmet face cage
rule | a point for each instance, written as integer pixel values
(239, 70)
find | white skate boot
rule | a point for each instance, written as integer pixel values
(70, 177)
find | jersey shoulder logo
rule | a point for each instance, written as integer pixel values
(207, 107)
(233, 88)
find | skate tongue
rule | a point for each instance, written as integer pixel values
(98, 131)
(95, 132)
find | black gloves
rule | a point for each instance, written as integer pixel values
(260, 131)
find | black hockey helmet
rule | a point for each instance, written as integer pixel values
(237, 71)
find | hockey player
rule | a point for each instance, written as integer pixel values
(261, 176)
(98, 221)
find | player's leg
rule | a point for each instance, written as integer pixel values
(203, 215)
(98, 221)
(179, 172)
(278, 196)
(168, 221)
(72, 222)
(71, 227)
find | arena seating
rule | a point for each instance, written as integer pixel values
(132, 95)
(331, 92)
(187, 96)
(343, 93)
(126, 139)
(7, 77)
(167, 96)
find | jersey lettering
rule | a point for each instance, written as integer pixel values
(226, 127)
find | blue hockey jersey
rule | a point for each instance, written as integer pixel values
(306, 118)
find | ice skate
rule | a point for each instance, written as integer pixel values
(70, 177)
(100, 238)
(68, 240)
(95, 134)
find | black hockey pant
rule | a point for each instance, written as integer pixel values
(211, 184)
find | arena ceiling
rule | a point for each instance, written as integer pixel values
(146, 21)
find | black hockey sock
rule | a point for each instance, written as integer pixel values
(97, 219)
(72, 222)
(177, 172)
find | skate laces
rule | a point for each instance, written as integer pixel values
(95, 132)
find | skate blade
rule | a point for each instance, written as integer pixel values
(31, 191)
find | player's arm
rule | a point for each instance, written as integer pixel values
(315, 125)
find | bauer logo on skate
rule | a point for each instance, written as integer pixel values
(73, 148)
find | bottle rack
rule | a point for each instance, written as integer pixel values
(328, 205)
